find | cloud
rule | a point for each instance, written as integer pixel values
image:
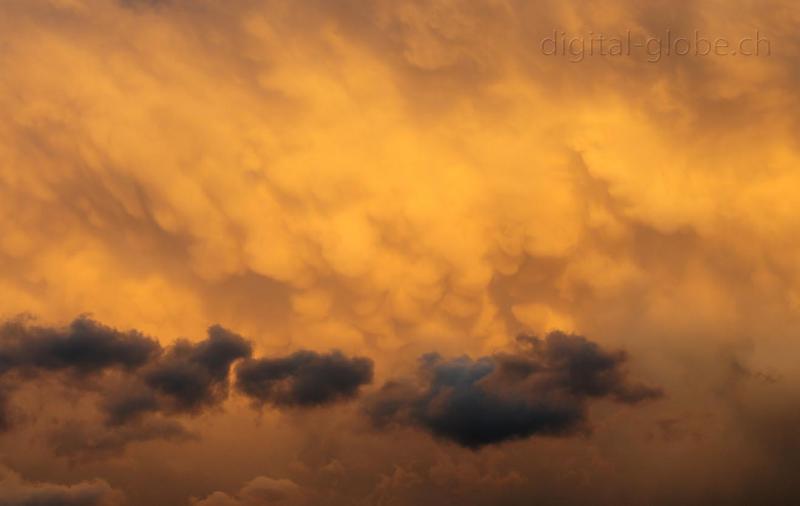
(193, 376)
(186, 379)
(138, 375)
(303, 379)
(141, 385)
(83, 347)
(84, 350)
(14, 491)
(541, 389)
(388, 178)
(261, 491)
(85, 442)
(5, 411)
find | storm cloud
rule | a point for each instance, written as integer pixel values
(543, 388)
(304, 378)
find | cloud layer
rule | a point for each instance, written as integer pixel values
(390, 179)
(260, 491)
(14, 491)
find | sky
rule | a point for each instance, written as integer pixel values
(474, 252)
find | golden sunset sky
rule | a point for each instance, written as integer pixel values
(395, 253)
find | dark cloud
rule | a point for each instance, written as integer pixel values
(128, 402)
(304, 378)
(141, 385)
(186, 379)
(192, 376)
(84, 347)
(139, 376)
(542, 388)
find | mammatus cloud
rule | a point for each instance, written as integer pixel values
(261, 491)
(304, 378)
(15, 491)
(541, 389)
(393, 177)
